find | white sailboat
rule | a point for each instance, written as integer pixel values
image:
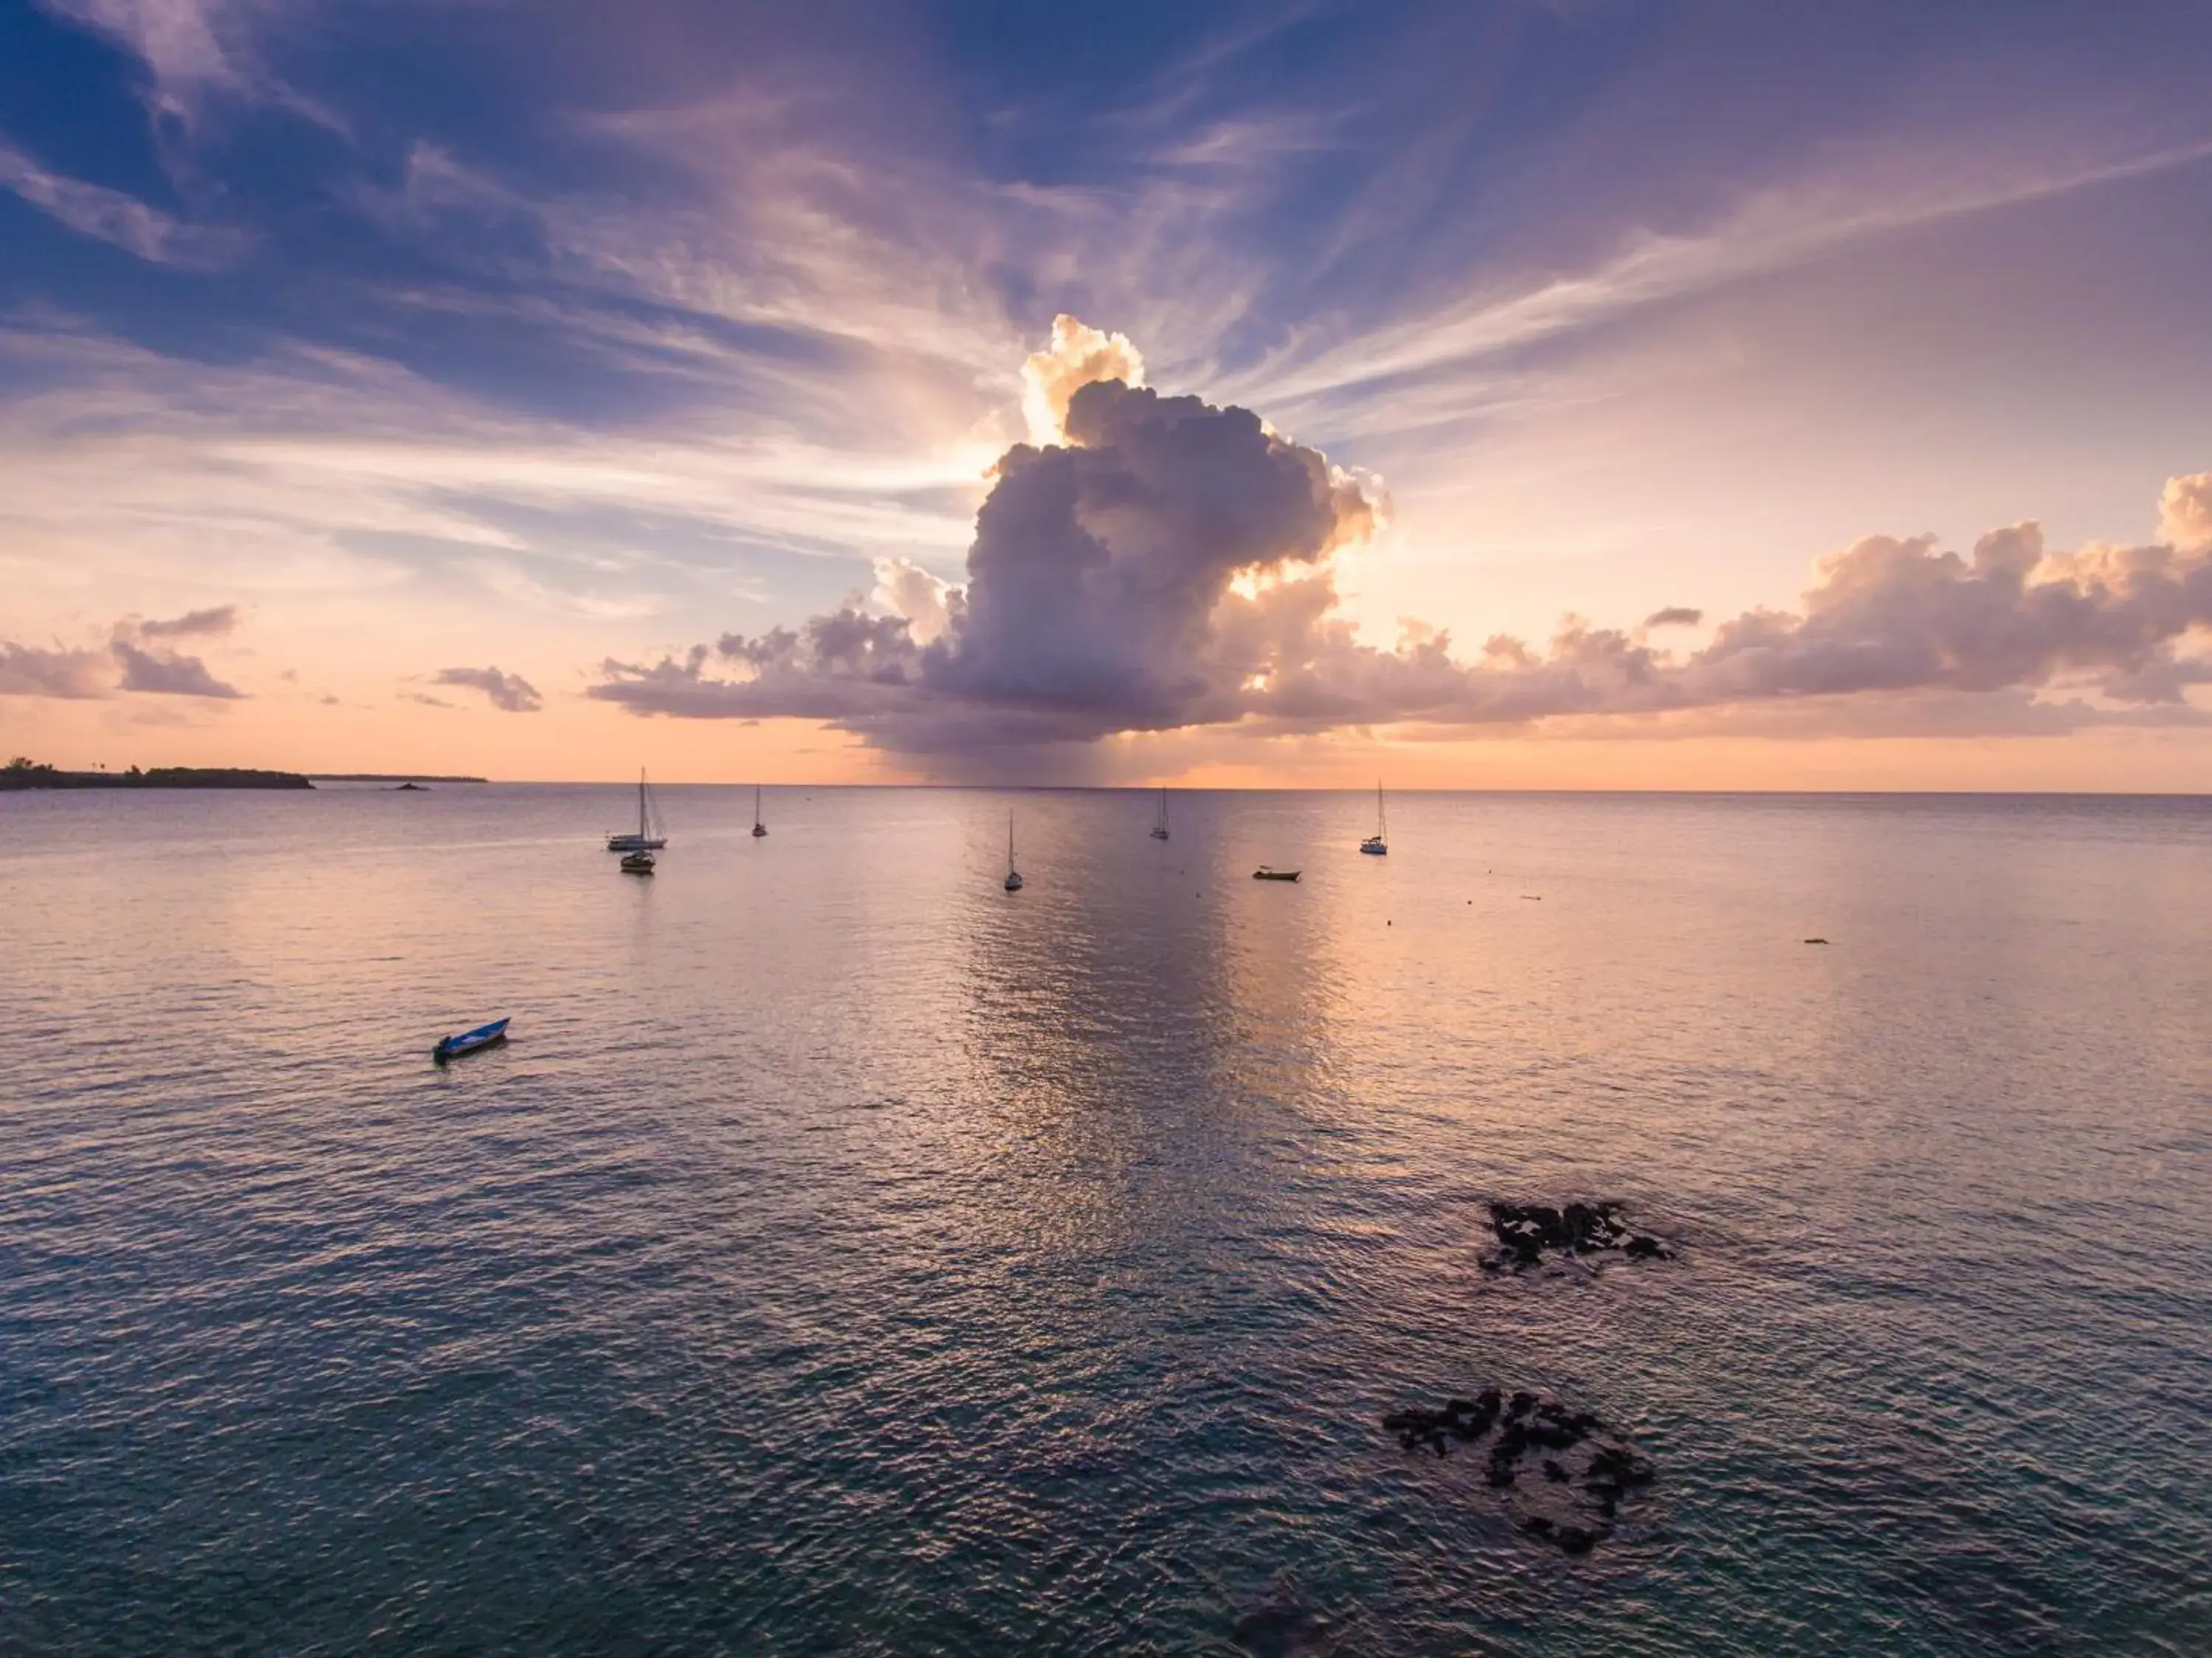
(638, 859)
(759, 828)
(1379, 843)
(1013, 875)
(1160, 828)
(649, 837)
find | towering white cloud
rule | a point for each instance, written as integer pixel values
(908, 591)
(2186, 516)
(1078, 355)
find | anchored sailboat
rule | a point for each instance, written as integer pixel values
(637, 854)
(649, 837)
(759, 828)
(1160, 828)
(1379, 843)
(1013, 875)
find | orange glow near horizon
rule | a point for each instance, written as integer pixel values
(577, 741)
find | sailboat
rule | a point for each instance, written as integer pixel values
(1379, 843)
(637, 850)
(759, 828)
(1160, 828)
(648, 838)
(1013, 875)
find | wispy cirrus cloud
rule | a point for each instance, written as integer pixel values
(215, 619)
(1850, 201)
(196, 53)
(182, 43)
(119, 220)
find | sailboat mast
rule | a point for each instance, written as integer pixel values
(642, 831)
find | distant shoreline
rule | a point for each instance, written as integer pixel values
(22, 777)
(388, 777)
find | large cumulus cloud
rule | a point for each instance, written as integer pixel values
(1168, 565)
(1098, 597)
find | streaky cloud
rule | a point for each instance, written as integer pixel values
(119, 220)
(216, 618)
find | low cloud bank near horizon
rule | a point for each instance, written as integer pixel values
(138, 657)
(1169, 565)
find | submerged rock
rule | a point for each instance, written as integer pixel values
(1563, 1472)
(1283, 1628)
(1462, 1419)
(1527, 1233)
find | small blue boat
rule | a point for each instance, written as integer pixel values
(483, 1036)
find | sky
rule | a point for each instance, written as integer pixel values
(1597, 393)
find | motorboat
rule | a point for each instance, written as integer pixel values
(483, 1036)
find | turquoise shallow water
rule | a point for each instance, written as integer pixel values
(846, 1256)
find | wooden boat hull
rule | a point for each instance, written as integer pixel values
(1264, 873)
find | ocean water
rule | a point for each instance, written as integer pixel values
(848, 1257)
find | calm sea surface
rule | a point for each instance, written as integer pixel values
(848, 1257)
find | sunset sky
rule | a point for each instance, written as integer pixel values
(545, 389)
